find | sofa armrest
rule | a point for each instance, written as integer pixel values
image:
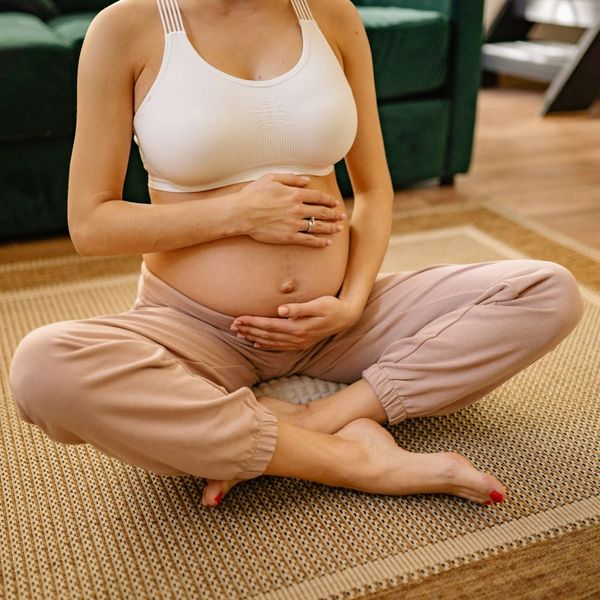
(464, 73)
(464, 81)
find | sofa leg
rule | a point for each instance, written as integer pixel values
(447, 180)
(489, 79)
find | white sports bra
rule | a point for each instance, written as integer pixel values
(199, 128)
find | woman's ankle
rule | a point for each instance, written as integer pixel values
(319, 457)
(331, 413)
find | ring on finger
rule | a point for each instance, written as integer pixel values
(310, 224)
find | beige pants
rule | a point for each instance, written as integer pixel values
(166, 385)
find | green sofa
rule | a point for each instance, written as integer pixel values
(426, 56)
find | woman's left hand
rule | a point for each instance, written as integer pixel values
(300, 326)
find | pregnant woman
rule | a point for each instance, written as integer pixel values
(252, 270)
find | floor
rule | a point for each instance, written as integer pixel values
(544, 168)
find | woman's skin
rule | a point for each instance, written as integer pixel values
(245, 242)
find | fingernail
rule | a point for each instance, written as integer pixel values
(329, 243)
(234, 328)
(344, 215)
(487, 502)
(339, 227)
(241, 336)
(304, 178)
(284, 310)
(219, 498)
(496, 496)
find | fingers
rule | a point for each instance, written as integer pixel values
(307, 239)
(260, 335)
(317, 197)
(307, 196)
(287, 178)
(269, 324)
(322, 213)
(320, 227)
(265, 332)
(270, 339)
(300, 309)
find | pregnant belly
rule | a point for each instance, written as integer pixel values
(240, 276)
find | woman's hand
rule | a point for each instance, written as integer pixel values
(276, 205)
(300, 325)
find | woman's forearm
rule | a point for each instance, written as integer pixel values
(369, 236)
(122, 228)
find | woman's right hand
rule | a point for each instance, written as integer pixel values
(276, 205)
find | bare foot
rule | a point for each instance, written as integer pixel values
(393, 470)
(294, 414)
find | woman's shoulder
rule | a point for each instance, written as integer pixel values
(123, 15)
(338, 19)
(127, 27)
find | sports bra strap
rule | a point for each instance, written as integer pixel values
(170, 15)
(302, 10)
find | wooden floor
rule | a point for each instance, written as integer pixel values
(544, 168)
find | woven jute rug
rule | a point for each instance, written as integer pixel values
(75, 523)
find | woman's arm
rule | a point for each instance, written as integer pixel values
(100, 222)
(366, 163)
(270, 209)
(373, 199)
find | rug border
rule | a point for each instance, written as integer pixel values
(508, 214)
(396, 569)
(544, 230)
(561, 567)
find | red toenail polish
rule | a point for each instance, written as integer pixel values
(219, 498)
(487, 502)
(496, 496)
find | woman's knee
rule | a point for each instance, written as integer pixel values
(41, 378)
(563, 299)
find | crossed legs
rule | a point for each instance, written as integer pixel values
(443, 337)
(145, 387)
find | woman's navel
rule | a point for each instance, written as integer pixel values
(288, 286)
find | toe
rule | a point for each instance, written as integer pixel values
(497, 495)
(216, 490)
(492, 490)
(213, 489)
(473, 484)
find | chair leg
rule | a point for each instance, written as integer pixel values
(447, 180)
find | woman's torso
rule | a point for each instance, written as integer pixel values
(238, 275)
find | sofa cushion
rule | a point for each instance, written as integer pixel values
(43, 9)
(409, 49)
(83, 5)
(443, 6)
(37, 78)
(72, 27)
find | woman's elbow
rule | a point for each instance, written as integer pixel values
(78, 232)
(84, 228)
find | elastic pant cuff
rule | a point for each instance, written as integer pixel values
(265, 442)
(390, 399)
